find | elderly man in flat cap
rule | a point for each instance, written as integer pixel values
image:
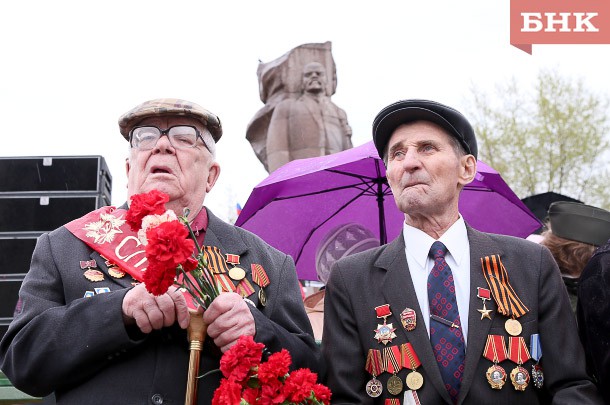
(86, 330)
(445, 314)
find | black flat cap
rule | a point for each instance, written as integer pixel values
(405, 111)
(580, 222)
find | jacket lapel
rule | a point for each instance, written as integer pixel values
(478, 329)
(399, 292)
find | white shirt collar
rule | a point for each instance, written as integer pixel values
(418, 242)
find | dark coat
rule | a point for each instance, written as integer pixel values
(79, 347)
(363, 281)
(593, 314)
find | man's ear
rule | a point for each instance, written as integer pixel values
(468, 169)
(213, 173)
(127, 166)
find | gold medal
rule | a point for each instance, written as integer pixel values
(513, 327)
(394, 385)
(262, 298)
(520, 378)
(374, 388)
(496, 376)
(415, 380)
(237, 273)
(115, 272)
(94, 275)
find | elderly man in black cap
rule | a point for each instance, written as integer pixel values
(445, 314)
(88, 331)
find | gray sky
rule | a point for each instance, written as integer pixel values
(71, 68)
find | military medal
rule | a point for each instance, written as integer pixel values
(536, 353)
(414, 379)
(408, 319)
(485, 295)
(495, 351)
(260, 277)
(518, 353)
(94, 275)
(384, 333)
(508, 302)
(116, 272)
(236, 273)
(374, 388)
(392, 363)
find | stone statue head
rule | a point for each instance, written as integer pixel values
(314, 78)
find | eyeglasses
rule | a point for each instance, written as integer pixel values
(180, 137)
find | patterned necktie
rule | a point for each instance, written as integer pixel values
(445, 328)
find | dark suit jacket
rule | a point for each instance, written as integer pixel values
(363, 281)
(79, 347)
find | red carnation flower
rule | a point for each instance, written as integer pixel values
(299, 384)
(322, 393)
(237, 362)
(169, 243)
(276, 366)
(158, 278)
(228, 393)
(145, 204)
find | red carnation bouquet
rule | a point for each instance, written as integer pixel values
(169, 245)
(250, 381)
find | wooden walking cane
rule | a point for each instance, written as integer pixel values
(196, 335)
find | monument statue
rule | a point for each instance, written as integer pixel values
(299, 120)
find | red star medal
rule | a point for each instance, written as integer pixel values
(384, 332)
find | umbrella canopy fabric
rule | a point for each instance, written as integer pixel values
(301, 202)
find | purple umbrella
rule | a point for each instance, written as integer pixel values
(298, 204)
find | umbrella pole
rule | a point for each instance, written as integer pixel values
(383, 239)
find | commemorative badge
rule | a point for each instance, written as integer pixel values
(410, 360)
(94, 275)
(392, 363)
(88, 294)
(518, 353)
(495, 351)
(384, 332)
(408, 319)
(373, 365)
(536, 353)
(102, 290)
(507, 301)
(116, 272)
(87, 264)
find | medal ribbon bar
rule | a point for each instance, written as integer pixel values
(507, 300)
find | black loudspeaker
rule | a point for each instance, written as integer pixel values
(39, 194)
(43, 213)
(65, 174)
(9, 291)
(16, 254)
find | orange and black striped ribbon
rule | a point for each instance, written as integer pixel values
(507, 300)
(216, 260)
(392, 401)
(244, 288)
(517, 350)
(373, 362)
(409, 357)
(392, 362)
(259, 276)
(495, 349)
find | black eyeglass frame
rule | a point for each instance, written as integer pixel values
(166, 133)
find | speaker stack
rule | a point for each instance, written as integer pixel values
(37, 195)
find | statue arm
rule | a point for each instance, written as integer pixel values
(278, 140)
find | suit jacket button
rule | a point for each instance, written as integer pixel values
(157, 399)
